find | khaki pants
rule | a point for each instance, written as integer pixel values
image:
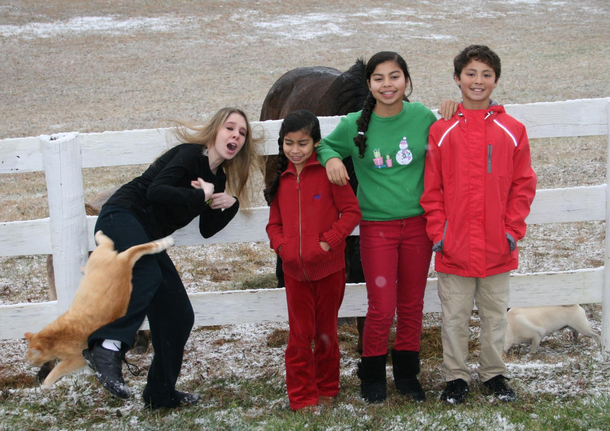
(458, 295)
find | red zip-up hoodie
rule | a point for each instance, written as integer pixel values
(478, 186)
(309, 209)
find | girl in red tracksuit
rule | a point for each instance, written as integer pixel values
(309, 220)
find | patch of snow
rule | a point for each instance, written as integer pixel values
(92, 24)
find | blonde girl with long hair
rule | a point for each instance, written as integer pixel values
(190, 180)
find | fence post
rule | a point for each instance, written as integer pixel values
(62, 160)
(606, 287)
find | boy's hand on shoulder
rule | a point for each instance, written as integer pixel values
(447, 109)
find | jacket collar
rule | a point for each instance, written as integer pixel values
(494, 108)
(312, 161)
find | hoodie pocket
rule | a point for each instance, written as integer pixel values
(312, 251)
(290, 252)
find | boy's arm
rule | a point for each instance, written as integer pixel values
(522, 190)
(347, 204)
(275, 232)
(432, 199)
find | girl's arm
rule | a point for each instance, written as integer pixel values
(275, 230)
(338, 145)
(336, 171)
(172, 185)
(447, 109)
(212, 221)
(347, 204)
(214, 200)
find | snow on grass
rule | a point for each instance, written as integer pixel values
(94, 24)
(233, 359)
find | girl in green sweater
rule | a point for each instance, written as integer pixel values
(387, 141)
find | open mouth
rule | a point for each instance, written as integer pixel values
(232, 147)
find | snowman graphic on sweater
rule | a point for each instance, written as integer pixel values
(404, 155)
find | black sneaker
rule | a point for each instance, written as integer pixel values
(455, 392)
(183, 399)
(107, 367)
(500, 389)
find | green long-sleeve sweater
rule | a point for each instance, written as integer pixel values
(385, 193)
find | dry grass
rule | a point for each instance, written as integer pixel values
(219, 54)
(102, 79)
(278, 338)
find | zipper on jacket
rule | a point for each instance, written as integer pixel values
(300, 228)
(489, 151)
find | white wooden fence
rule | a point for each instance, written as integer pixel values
(68, 232)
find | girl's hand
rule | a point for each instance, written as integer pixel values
(222, 201)
(336, 172)
(324, 246)
(208, 188)
(447, 109)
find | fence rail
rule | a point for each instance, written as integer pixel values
(68, 232)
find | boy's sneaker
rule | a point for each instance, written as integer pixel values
(500, 389)
(107, 366)
(455, 392)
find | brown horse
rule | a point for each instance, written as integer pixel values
(325, 92)
(322, 90)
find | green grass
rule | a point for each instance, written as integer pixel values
(236, 403)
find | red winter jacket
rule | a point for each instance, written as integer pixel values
(306, 210)
(478, 186)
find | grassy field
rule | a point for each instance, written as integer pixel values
(93, 66)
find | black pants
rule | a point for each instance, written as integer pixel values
(158, 293)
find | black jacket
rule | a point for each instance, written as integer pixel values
(164, 200)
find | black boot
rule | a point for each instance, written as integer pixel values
(371, 371)
(405, 364)
(107, 366)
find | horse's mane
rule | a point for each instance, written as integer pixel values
(350, 89)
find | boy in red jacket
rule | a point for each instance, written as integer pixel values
(309, 220)
(478, 188)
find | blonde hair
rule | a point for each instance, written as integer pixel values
(239, 168)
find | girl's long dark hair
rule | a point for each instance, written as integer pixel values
(370, 102)
(301, 120)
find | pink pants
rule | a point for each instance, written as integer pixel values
(395, 258)
(313, 309)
